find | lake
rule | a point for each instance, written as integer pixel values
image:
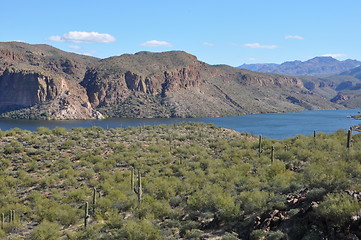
(271, 125)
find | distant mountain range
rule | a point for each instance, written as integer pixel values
(337, 81)
(318, 66)
(343, 88)
(42, 82)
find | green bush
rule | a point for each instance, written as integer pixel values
(337, 209)
(46, 231)
(139, 229)
(253, 201)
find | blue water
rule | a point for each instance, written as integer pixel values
(271, 125)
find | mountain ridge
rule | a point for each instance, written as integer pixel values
(318, 66)
(62, 85)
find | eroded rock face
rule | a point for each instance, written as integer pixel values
(65, 100)
(72, 103)
(22, 89)
(275, 80)
(111, 89)
(340, 98)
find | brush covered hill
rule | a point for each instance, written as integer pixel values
(39, 81)
(196, 181)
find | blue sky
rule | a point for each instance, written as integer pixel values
(217, 32)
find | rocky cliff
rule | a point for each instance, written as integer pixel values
(176, 84)
(39, 81)
(63, 99)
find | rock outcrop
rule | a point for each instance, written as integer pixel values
(64, 99)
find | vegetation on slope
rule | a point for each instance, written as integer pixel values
(197, 181)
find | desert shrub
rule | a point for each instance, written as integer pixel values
(151, 208)
(331, 178)
(68, 144)
(66, 215)
(193, 234)
(337, 209)
(119, 200)
(13, 147)
(46, 231)
(316, 194)
(139, 229)
(43, 131)
(58, 131)
(229, 236)
(258, 235)
(4, 163)
(253, 201)
(187, 226)
(76, 195)
(277, 235)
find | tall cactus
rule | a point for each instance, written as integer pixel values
(13, 214)
(272, 154)
(260, 150)
(94, 200)
(170, 143)
(138, 189)
(86, 215)
(314, 135)
(132, 179)
(10, 216)
(2, 220)
(349, 138)
(286, 147)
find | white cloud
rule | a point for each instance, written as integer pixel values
(257, 45)
(294, 37)
(208, 44)
(83, 37)
(334, 55)
(156, 43)
(56, 39)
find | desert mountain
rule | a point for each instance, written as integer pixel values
(355, 72)
(39, 81)
(343, 88)
(318, 66)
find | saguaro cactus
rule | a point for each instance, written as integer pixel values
(272, 154)
(138, 189)
(86, 215)
(13, 214)
(349, 138)
(132, 179)
(2, 220)
(10, 216)
(286, 147)
(260, 150)
(314, 135)
(94, 199)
